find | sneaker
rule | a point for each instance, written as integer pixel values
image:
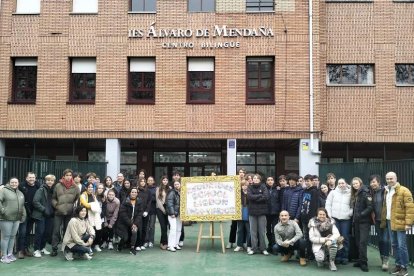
(248, 249)
(251, 252)
(5, 260)
(138, 248)
(265, 252)
(238, 248)
(110, 246)
(181, 243)
(54, 252)
(145, 245)
(384, 265)
(229, 245)
(150, 245)
(68, 255)
(332, 266)
(86, 256)
(44, 251)
(11, 257)
(172, 249)
(133, 251)
(403, 272)
(37, 254)
(97, 248)
(396, 270)
(143, 248)
(178, 247)
(20, 255)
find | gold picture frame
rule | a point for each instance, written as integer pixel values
(210, 198)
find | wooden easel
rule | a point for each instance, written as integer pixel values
(211, 236)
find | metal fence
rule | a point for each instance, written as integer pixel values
(18, 167)
(405, 173)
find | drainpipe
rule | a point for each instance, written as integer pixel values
(313, 150)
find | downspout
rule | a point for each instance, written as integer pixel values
(311, 127)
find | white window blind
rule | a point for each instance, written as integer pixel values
(142, 65)
(84, 65)
(25, 62)
(85, 6)
(28, 6)
(201, 64)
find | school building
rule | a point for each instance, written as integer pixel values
(207, 85)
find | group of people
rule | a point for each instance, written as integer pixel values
(322, 222)
(329, 223)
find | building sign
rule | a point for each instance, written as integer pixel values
(217, 31)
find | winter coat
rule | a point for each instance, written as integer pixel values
(42, 203)
(129, 215)
(377, 201)
(74, 232)
(63, 199)
(274, 201)
(153, 202)
(123, 194)
(338, 204)
(111, 211)
(145, 196)
(362, 206)
(322, 198)
(161, 203)
(12, 204)
(402, 209)
(173, 203)
(310, 204)
(258, 196)
(292, 201)
(29, 193)
(94, 209)
(315, 236)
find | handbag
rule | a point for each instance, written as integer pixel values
(245, 214)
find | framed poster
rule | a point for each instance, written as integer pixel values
(210, 198)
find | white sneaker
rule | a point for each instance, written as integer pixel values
(172, 249)
(146, 245)
(150, 245)
(104, 245)
(86, 256)
(229, 245)
(143, 247)
(238, 248)
(45, 252)
(37, 254)
(178, 247)
(249, 249)
(251, 252)
(265, 253)
(110, 246)
(181, 243)
(68, 255)
(138, 248)
(97, 248)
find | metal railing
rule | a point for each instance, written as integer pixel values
(405, 173)
(18, 167)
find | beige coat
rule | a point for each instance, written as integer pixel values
(74, 232)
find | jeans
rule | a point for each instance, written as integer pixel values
(163, 220)
(78, 249)
(233, 231)
(58, 223)
(361, 239)
(399, 246)
(151, 229)
(8, 230)
(43, 233)
(258, 229)
(175, 231)
(383, 240)
(271, 221)
(344, 228)
(243, 233)
(299, 245)
(23, 239)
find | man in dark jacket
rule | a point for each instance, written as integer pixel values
(292, 197)
(273, 213)
(118, 184)
(28, 188)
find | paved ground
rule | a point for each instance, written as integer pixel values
(210, 261)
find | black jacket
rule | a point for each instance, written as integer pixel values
(129, 215)
(173, 203)
(144, 195)
(29, 193)
(363, 206)
(310, 204)
(153, 201)
(258, 196)
(275, 200)
(42, 203)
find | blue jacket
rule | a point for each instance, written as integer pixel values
(292, 201)
(274, 200)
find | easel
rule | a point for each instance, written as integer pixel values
(211, 236)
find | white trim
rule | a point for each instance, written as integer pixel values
(25, 62)
(250, 59)
(84, 65)
(201, 64)
(142, 65)
(28, 6)
(85, 6)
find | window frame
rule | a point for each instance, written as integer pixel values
(201, 7)
(201, 90)
(142, 11)
(130, 100)
(273, 80)
(357, 72)
(27, 12)
(259, 6)
(14, 99)
(410, 74)
(72, 84)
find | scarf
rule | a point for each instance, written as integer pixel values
(67, 184)
(324, 227)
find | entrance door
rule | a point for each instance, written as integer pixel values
(167, 169)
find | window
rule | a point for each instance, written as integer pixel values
(350, 74)
(141, 80)
(201, 5)
(83, 80)
(404, 74)
(200, 85)
(260, 5)
(28, 6)
(143, 5)
(263, 163)
(85, 6)
(24, 80)
(260, 80)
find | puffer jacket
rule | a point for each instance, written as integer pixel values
(12, 204)
(129, 215)
(316, 238)
(173, 203)
(362, 206)
(63, 199)
(402, 209)
(42, 203)
(377, 199)
(258, 196)
(274, 200)
(338, 204)
(292, 201)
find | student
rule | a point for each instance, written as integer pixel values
(79, 235)
(234, 223)
(273, 212)
(361, 201)
(65, 194)
(331, 181)
(43, 215)
(161, 195)
(177, 177)
(144, 195)
(292, 197)
(315, 180)
(130, 220)
(288, 238)
(324, 235)
(125, 190)
(109, 185)
(323, 195)
(338, 206)
(152, 213)
(77, 178)
(173, 211)
(243, 226)
(101, 200)
(11, 215)
(118, 184)
(258, 196)
(111, 211)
